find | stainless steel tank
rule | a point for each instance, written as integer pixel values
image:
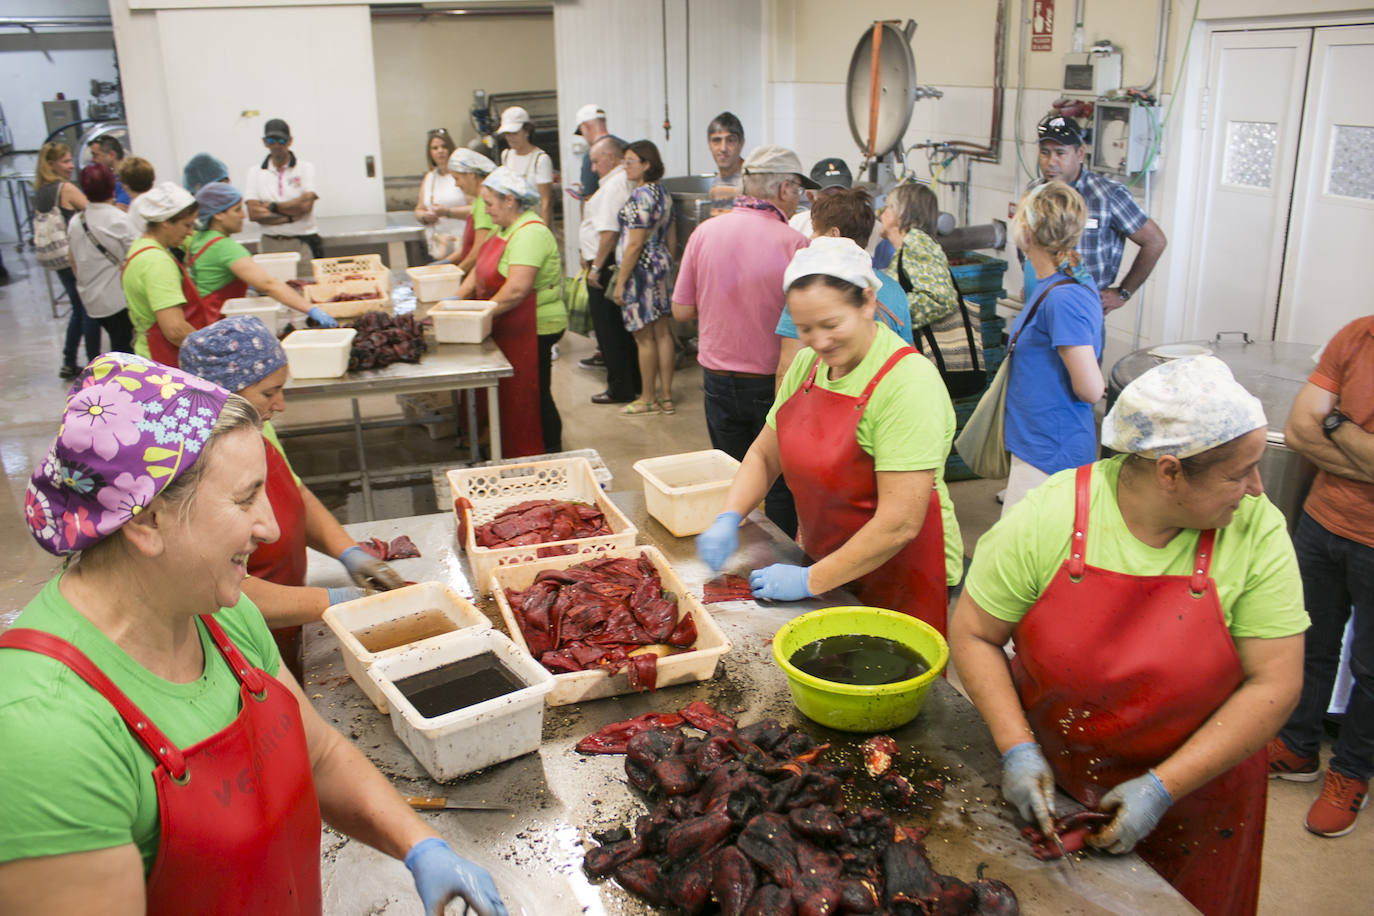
(1272, 372)
(691, 206)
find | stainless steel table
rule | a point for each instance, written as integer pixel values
(558, 796)
(445, 367)
(393, 229)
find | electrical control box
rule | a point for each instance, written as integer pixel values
(1096, 72)
(1123, 135)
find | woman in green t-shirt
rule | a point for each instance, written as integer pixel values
(468, 168)
(163, 303)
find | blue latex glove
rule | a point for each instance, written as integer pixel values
(715, 544)
(1029, 785)
(369, 572)
(1139, 804)
(322, 318)
(780, 582)
(442, 875)
(343, 593)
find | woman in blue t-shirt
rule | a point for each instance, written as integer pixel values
(1054, 375)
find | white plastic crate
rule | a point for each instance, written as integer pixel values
(459, 742)
(319, 353)
(686, 492)
(433, 282)
(349, 267)
(684, 667)
(267, 310)
(463, 320)
(280, 264)
(353, 617)
(480, 494)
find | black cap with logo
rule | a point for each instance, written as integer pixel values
(831, 173)
(277, 129)
(1059, 129)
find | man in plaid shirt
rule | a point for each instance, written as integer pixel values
(1113, 215)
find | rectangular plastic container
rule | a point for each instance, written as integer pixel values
(375, 289)
(480, 494)
(353, 617)
(319, 353)
(695, 664)
(348, 267)
(463, 320)
(686, 492)
(468, 739)
(435, 282)
(280, 264)
(976, 273)
(267, 310)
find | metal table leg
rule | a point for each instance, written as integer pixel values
(474, 447)
(396, 256)
(368, 509)
(494, 423)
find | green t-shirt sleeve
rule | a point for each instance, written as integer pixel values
(531, 248)
(1269, 605)
(908, 421)
(212, 269)
(1008, 572)
(269, 432)
(480, 220)
(157, 279)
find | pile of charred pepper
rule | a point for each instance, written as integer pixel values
(384, 339)
(539, 521)
(594, 614)
(751, 822)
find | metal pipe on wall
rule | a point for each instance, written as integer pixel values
(1161, 39)
(992, 152)
(56, 22)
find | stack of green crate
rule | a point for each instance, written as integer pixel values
(979, 279)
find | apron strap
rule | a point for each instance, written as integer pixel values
(1078, 547)
(140, 251)
(882, 371)
(191, 261)
(811, 376)
(1202, 562)
(250, 676)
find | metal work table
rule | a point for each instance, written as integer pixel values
(558, 796)
(392, 229)
(444, 367)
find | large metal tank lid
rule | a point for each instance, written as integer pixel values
(896, 86)
(1271, 371)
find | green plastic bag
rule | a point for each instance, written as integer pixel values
(575, 298)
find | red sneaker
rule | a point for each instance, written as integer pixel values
(1285, 764)
(1333, 813)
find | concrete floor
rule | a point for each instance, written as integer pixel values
(1302, 873)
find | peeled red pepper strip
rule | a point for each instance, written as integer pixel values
(613, 738)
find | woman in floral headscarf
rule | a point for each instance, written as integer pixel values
(142, 663)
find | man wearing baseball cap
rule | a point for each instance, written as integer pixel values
(591, 127)
(280, 195)
(828, 173)
(730, 280)
(1113, 215)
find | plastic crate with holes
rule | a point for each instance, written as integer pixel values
(349, 267)
(361, 296)
(480, 494)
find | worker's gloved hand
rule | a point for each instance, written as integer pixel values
(1029, 785)
(1139, 804)
(369, 572)
(322, 318)
(442, 875)
(344, 593)
(715, 544)
(780, 582)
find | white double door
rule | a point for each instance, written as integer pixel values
(1287, 204)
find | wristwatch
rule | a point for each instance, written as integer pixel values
(1123, 294)
(1332, 420)
(272, 207)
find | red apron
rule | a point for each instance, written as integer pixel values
(1115, 673)
(238, 820)
(283, 560)
(469, 236)
(159, 348)
(514, 332)
(836, 490)
(213, 302)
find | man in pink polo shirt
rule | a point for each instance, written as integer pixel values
(730, 281)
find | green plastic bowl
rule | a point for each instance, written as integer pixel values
(854, 707)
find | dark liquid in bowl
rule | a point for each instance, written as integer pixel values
(859, 659)
(459, 685)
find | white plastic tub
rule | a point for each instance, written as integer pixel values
(280, 264)
(467, 739)
(319, 354)
(463, 320)
(686, 492)
(270, 312)
(409, 612)
(697, 663)
(433, 282)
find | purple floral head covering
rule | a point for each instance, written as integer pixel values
(234, 352)
(131, 426)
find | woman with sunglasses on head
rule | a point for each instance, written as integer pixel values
(442, 206)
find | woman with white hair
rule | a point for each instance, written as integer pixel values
(163, 303)
(1157, 610)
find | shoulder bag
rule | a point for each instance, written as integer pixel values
(983, 443)
(952, 343)
(50, 237)
(117, 262)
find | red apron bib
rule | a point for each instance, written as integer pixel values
(469, 236)
(239, 823)
(836, 490)
(213, 302)
(159, 348)
(1115, 673)
(283, 560)
(514, 332)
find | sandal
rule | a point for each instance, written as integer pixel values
(638, 408)
(666, 405)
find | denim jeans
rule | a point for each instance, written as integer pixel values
(736, 409)
(80, 326)
(1336, 574)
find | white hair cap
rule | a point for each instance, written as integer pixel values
(504, 180)
(163, 201)
(469, 160)
(834, 257)
(1181, 408)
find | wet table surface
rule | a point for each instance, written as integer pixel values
(558, 797)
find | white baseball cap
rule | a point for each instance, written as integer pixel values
(512, 119)
(588, 112)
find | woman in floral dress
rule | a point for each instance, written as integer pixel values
(641, 283)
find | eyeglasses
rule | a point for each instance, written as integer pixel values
(274, 141)
(438, 132)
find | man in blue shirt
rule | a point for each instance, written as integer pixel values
(1113, 215)
(108, 151)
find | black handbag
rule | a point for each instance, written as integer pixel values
(953, 344)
